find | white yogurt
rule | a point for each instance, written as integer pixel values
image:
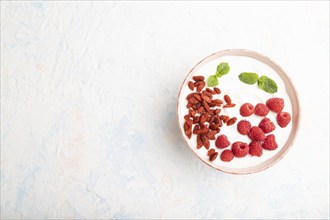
(240, 93)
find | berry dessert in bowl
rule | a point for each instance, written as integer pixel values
(238, 111)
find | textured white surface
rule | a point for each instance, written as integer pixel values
(88, 109)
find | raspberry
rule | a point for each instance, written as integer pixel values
(240, 149)
(267, 125)
(275, 104)
(222, 142)
(283, 119)
(255, 149)
(261, 109)
(269, 143)
(256, 134)
(243, 127)
(226, 155)
(246, 109)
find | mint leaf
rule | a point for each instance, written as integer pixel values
(212, 81)
(222, 69)
(267, 84)
(248, 78)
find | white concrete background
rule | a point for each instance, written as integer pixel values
(88, 109)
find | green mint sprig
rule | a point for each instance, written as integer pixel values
(264, 82)
(222, 69)
(248, 78)
(212, 81)
(267, 84)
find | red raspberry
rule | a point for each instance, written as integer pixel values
(240, 149)
(261, 109)
(275, 104)
(226, 155)
(246, 109)
(243, 127)
(255, 149)
(256, 134)
(267, 125)
(269, 143)
(222, 142)
(283, 119)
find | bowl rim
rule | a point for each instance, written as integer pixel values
(294, 92)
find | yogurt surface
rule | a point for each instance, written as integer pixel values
(240, 93)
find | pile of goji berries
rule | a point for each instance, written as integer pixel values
(203, 118)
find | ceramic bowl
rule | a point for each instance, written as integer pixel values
(251, 164)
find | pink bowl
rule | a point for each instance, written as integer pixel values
(289, 89)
